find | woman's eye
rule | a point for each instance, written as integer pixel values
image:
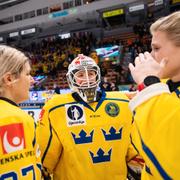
(80, 75)
(91, 74)
(155, 48)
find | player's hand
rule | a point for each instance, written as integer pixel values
(145, 65)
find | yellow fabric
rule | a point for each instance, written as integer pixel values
(157, 137)
(17, 128)
(68, 160)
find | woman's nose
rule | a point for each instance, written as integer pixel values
(32, 81)
(152, 53)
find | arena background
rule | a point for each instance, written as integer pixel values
(52, 33)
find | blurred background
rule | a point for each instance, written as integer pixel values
(52, 33)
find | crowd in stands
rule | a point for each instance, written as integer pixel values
(51, 57)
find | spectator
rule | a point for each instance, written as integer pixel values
(114, 87)
(56, 89)
(105, 85)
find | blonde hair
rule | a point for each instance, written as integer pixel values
(170, 25)
(11, 60)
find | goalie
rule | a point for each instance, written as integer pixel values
(86, 133)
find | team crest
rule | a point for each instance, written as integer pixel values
(75, 115)
(112, 109)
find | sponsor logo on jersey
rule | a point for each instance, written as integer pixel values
(75, 115)
(112, 109)
(16, 156)
(41, 114)
(12, 138)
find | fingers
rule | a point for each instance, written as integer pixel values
(136, 74)
(142, 57)
(131, 67)
(145, 65)
(137, 61)
(148, 56)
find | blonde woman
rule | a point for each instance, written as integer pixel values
(19, 155)
(157, 105)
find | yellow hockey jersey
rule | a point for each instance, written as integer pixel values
(86, 141)
(157, 122)
(19, 153)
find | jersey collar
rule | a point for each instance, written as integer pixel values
(8, 100)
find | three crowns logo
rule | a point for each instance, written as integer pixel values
(113, 135)
(101, 156)
(83, 138)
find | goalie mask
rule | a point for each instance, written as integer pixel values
(84, 77)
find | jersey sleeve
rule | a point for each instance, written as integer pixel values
(50, 145)
(132, 150)
(157, 118)
(135, 162)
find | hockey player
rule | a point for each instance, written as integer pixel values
(157, 106)
(19, 153)
(86, 134)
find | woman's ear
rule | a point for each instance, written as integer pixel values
(8, 79)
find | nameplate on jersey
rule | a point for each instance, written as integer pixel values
(75, 115)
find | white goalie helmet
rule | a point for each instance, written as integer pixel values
(84, 77)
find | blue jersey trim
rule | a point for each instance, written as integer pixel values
(154, 160)
(177, 91)
(115, 99)
(34, 140)
(103, 98)
(98, 105)
(55, 107)
(86, 105)
(133, 144)
(49, 142)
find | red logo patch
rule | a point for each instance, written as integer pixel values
(12, 138)
(41, 114)
(77, 62)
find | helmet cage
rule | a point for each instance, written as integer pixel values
(87, 90)
(87, 82)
